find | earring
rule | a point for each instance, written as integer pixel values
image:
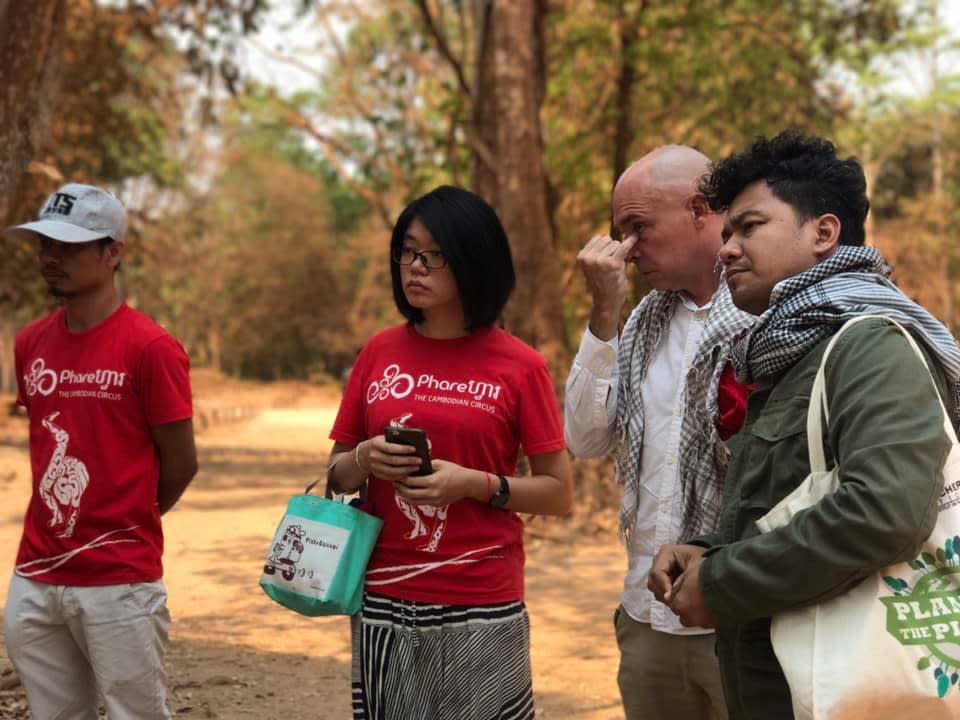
(718, 265)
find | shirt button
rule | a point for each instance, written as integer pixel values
(671, 460)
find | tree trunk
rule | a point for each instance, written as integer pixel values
(214, 353)
(509, 90)
(870, 169)
(623, 132)
(31, 40)
(941, 209)
(483, 179)
(7, 377)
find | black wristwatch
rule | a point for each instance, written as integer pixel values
(502, 496)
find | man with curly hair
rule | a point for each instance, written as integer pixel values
(794, 256)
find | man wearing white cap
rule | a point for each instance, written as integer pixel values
(112, 449)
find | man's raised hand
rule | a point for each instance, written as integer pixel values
(603, 262)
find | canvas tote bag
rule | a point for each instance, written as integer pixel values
(890, 647)
(318, 558)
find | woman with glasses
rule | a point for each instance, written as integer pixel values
(444, 632)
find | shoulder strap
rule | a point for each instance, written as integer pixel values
(818, 412)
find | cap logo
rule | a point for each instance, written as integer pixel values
(60, 204)
(78, 213)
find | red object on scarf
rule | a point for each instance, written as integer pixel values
(731, 403)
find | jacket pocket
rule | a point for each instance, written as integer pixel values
(775, 448)
(781, 420)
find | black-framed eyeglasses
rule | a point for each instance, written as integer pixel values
(432, 259)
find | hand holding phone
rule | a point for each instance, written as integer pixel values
(416, 438)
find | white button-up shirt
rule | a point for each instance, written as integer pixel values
(590, 411)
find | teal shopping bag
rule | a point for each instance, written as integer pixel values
(319, 555)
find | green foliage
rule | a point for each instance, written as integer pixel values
(272, 264)
(256, 278)
(270, 133)
(907, 139)
(112, 120)
(119, 105)
(711, 74)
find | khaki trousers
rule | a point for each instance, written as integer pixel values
(72, 644)
(667, 677)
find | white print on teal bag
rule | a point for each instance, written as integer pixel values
(305, 555)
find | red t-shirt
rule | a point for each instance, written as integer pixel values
(92, 397)
(731, 403)
(479, 398)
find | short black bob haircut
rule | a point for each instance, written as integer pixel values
(471, 238)
(802, 171)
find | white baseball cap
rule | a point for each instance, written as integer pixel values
(79, 213)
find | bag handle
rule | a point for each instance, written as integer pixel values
(309, 488)
(328, 492)
(818, 412)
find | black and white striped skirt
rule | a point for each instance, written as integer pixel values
(419, 661)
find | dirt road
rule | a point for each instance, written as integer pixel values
(235, 654)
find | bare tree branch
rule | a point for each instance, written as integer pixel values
(362, 108)
(479, 148)
(443, 47)
(332, 149)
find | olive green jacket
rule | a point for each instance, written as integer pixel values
(886, 430)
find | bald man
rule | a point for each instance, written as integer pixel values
(661, 398)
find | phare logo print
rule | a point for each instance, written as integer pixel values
(40, 379)
(44, 380)
(400, 385)
(393, 383)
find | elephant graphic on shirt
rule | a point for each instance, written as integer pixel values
(427, 520)
(64, 482)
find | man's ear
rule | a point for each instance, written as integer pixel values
(827, 227)
(114, 253)
(699, 209)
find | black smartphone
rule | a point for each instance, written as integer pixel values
(414, 437)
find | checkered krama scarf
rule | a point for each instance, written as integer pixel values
(811, 306)
(703, 456)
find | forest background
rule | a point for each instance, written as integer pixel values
(264, 147)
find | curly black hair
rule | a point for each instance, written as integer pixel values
(802, 171)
